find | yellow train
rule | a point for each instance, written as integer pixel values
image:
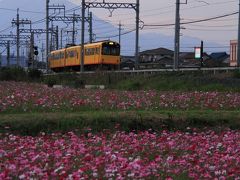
(99, 55)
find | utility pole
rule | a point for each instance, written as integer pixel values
(47, 33)
(19, 22)
(90, 28)
(8, 53)
(31, 53)
(56, 36)
(238, 45)
(119, 38)
(42, 51)
(137, 35)
(177, 36)
(61, 34)
(82, 38)
(73, 30)
(18, 34)
(51, 39)
(119, 30)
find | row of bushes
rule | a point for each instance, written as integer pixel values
(19, 74)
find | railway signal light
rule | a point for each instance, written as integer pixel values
(35, 50)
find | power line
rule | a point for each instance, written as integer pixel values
(112, 36)
(209, 26)
(10, 27)
(27, 11)
(196, 29)
(191, 22)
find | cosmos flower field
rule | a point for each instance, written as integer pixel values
(190, 154)
(168, 155)
(28, 97)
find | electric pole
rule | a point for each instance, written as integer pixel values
(19, 22)
(177, 35)
(61, 36)
(51, 39)
(47, 32)
(31, 53)
(82, 38)
(8, 53)
(73, 30)
(119, 30)
(137, 35)
(18, 34)
(238, 45)
(42, 51)
(90, 28)
(57, 37)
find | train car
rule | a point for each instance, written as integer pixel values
(57, 60)
(72, 60)
(99, 55)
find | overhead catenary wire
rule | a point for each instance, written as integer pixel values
(192, 22)
(112, 36)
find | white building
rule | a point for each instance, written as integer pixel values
(233, 53)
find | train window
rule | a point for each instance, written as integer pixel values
(86, 52)
(97, 50)
(113, 50)
(90, 51)
(71, 54)
(106, 51)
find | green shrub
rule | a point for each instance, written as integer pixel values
(50, 81)
(34, 74)
(79, 83)
(13, 74)
(236, 74)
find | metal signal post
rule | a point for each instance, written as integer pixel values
(19, 22)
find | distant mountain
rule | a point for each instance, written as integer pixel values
(35, 11)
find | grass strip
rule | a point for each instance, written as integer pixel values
(33, 123)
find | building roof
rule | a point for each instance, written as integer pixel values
(158, 51)
(218, 56)
(187, 55)
(190, 55)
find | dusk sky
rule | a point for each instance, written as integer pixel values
(152, 12)
(163, 12)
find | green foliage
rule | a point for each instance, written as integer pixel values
(13, 74)
(50, 80)
(237, 74)
(79, 83)
(178, 81)
(34, 74)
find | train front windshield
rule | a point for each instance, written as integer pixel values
(111, 48)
